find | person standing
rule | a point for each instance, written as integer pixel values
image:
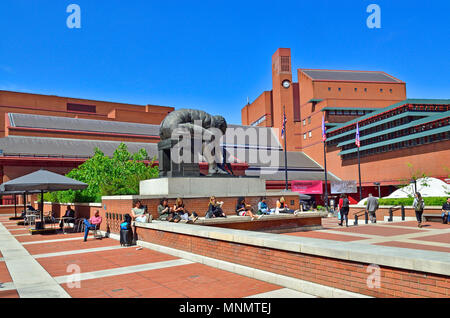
(372, 207)
(418, 206)
(344, 207)
(446, 212)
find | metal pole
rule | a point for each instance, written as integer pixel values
(326, 173)
(15, 206)
(285, 150)
(359, 172)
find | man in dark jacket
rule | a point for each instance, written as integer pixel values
(372, 207)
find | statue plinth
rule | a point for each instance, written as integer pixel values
(170, 168)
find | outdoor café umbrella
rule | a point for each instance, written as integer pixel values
(43, 181)
(15, 193)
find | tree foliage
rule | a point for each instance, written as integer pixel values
(119, 175)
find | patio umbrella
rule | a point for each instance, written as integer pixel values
(42, 181)
(15, 193)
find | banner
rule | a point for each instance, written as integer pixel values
(307, 187)
(343, 187)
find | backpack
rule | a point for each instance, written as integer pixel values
(420, 205)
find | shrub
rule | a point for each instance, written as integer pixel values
(119, 175)
(429, 201)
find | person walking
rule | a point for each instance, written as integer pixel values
(418, 206)
(446, 212)
(344, 207)
(372, 207)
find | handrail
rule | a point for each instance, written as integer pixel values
(396, 208)
(359, 213)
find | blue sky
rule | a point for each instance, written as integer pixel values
(211, 55)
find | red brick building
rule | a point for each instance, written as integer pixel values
(373, 98)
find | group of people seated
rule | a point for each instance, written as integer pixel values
(280, 207)
(176, 213)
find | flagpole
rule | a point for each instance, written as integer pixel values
(359, 172)
(358, 145)
(285, 150)
(326, 173)
(324, 139)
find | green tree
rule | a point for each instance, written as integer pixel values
(119, 175)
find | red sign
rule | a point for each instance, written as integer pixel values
(307, 187)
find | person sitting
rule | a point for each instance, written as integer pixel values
(262, 206)
(69, 217)
(139, 213)
(282, 207)
(182, 213)
(92, 224)
(446, 212)
(164, 211)
(28, 208)
(244, 209)
(215, 209)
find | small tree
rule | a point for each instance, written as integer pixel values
(119, 175)
(415, 175)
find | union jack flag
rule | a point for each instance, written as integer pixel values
(283, 130)
(324, 130)
(357, 141)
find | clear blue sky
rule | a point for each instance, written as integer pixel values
(211, 55)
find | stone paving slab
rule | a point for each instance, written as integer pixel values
(193, 281)
(415, 246)
(102, 260)
(61, 246)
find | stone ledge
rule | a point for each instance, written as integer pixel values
(409, 259)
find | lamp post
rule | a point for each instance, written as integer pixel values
(379, 188)
(415, 184)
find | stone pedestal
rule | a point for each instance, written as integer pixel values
(169, 168)
(203, 187)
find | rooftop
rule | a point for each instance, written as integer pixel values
(350, 76)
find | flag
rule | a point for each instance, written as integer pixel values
(357, 141)
(283, 130)
(324, 131)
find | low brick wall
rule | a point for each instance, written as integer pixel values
(124, 204)
(330, 265)
(82, 210)
(9, 209)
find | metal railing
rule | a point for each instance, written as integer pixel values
(396, 208)
(360, 213)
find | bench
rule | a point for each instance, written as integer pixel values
(432, 218)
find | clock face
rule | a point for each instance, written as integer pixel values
(286, 84)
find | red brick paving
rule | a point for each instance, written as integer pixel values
(96, 261)
(416, 246)
(443, 238)
(379, 230)
(326, 236)
(44, 248)
(4, 273)
(9, 294)
(193, 281)
(427, 225)
(48, 237)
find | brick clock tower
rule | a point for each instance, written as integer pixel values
(283, 96)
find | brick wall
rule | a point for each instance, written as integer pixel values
(199, 205)
(345, 275)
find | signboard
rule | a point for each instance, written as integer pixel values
(307, 187)
(343, 187)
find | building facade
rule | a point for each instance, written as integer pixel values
(397, 134)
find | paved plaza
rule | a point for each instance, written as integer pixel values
(43, 265)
